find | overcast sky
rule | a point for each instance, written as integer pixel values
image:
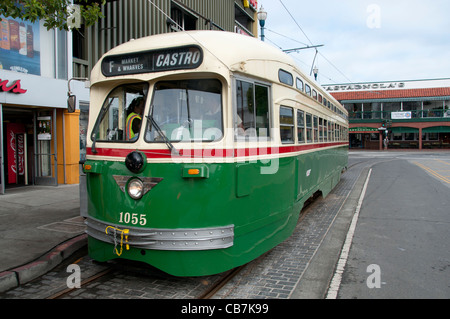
(366, 40)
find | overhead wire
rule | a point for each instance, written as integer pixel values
(321, 54)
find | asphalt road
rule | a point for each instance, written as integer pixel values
(400, 247)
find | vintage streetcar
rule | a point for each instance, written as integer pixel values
(202, 149)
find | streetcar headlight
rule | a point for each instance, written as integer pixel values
(136, 188)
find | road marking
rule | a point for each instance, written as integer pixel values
(337, 278)
(442, 162)
(434, 173)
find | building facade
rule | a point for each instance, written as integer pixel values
(411, 114)
(132, 19)
(40, 142)
(35, 129)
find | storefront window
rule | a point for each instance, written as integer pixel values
(414, 107)
(374, 108)
(392, 107)
(446, 108)
(433, 109)
(354, 110)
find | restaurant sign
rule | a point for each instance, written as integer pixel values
(362, 129)
(14, 87)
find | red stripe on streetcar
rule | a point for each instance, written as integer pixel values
(215, 153)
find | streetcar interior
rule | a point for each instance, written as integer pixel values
(118, 106)
(186, 111)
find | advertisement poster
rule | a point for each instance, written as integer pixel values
(20, 46)
(44, 128)
(15, 151)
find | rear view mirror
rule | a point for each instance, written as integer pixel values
(71, 103)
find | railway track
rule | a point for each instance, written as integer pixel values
(101, 274)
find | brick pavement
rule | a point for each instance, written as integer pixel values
(274, 276)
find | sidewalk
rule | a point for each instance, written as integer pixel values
(39, 227)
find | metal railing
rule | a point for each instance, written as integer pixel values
(80, 68)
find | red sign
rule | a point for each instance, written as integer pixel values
(13, 88)
(254, 4)
(15, 151)
(251, 3)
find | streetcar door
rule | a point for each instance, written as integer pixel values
(45, 146)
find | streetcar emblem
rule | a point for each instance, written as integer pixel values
(149, 182)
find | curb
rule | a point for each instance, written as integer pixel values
(316, 278)
(23, 274)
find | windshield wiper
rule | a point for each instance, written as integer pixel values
(164, 137)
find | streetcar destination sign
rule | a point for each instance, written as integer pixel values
(181, 58)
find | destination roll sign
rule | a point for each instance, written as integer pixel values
(181, 58)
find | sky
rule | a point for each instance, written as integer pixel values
(364, 40)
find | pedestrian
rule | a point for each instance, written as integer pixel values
(386, 143)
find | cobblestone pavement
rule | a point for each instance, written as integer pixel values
(273, 276)
(276, 276)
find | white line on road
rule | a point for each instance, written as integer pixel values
(337, 278)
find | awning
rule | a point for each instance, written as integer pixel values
(437, 129)
(404, 130)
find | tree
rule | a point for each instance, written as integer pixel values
(55, 13)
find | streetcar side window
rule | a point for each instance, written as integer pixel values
(301, 126)
(285, 77)
(320, 129)
(299, 84)
(307, 89)
(316, 129)
(252, 106)
(309, 128)
(121, 116)
(287, 125)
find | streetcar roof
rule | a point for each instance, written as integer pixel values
(226, 47)
(220, 49)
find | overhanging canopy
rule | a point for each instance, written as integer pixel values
(437, 129)
(404, 130)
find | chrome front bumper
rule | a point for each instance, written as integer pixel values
(162, 239)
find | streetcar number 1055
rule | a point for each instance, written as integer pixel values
(133, 219)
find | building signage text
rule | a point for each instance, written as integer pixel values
(15, 87)
(401, 115)
(365, 86)
(181, 58)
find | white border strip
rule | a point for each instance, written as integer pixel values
(337, 278)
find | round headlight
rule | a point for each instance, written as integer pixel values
(136, 189)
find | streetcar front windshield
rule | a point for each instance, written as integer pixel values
(121, 115)
(186, 111)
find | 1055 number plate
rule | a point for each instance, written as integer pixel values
(133, 219)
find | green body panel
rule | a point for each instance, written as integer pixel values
(264, 208)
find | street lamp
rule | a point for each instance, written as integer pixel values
(316, 72)
(262, 16)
